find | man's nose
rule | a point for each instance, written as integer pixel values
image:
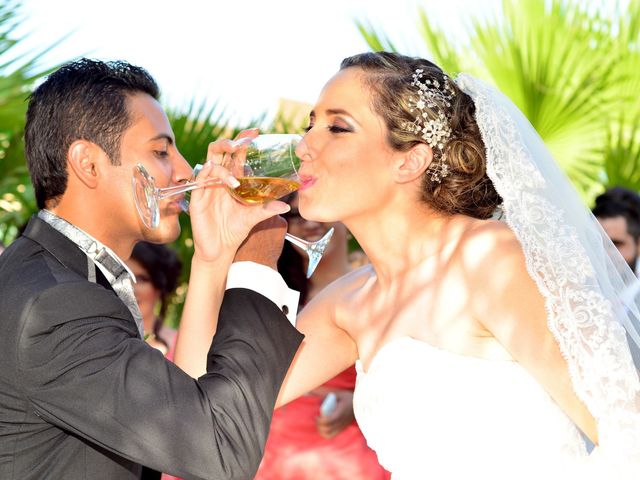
(182, 171)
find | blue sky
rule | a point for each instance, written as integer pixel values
(245, 54)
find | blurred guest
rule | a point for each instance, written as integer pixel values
(303, 444)
(618, 211)
(157, 269)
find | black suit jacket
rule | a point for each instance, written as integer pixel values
(83, 397)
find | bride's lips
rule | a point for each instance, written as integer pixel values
(306, 182)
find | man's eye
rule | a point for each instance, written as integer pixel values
(161, 153)
(306, 129)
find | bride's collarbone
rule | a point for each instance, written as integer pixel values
(422, 303)
(415, 296)
(436, 312)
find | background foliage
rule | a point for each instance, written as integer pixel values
(18, 75)
(570, 66)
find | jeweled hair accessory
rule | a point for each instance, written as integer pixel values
(433, 117)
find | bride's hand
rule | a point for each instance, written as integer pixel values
(219, 222)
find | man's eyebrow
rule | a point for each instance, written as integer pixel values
(162, 136)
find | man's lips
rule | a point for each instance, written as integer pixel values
(175, 205)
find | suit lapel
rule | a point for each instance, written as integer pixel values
(63, 249)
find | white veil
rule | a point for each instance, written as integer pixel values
(590, 292)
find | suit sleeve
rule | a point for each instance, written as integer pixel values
(85, 372)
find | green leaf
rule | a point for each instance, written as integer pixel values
(376, 41)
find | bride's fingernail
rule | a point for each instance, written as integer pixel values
(277, 207)
(241, 142)
(233, 182)
(197, 168)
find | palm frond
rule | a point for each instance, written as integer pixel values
(622, 153)
(18, 75)
(556, 67)
(438, 45)
(196, 127)
(377, 41)
(569, 65)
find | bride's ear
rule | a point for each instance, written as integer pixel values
(413, 163)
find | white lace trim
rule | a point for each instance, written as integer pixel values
(579, 315)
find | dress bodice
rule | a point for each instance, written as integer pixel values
(430, 413)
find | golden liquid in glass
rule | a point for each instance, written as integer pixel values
(256, 190)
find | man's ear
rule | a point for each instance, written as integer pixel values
(83, 161)
(413, 163)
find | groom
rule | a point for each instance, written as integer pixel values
(81, 394)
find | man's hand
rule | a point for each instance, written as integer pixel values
(264, 243)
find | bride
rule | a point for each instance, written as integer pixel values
(487, 331)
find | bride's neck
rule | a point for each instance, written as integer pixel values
(397, 239)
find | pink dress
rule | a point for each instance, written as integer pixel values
(295, 450)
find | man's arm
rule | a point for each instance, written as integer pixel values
(86, 373)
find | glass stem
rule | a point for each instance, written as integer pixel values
(186, 187)
(298, 242)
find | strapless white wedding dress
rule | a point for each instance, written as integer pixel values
(432, 414)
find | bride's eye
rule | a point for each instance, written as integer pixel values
(306, 129)
(338, 129)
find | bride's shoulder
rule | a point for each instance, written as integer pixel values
(345, 286)
(488, 241)
(494, 263)
(342, 294)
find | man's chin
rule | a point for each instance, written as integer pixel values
(165, 233)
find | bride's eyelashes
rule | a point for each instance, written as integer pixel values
(332, 129)
(338, 129)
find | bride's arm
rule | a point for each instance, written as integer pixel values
(508, 303)
(219, 226)
(204, 297)
(326, 349)
(207, 287)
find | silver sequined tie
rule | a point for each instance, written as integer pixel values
(124, 288)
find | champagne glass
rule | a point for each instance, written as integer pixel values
(267, 169)
(314, 250)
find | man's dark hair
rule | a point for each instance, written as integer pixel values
(620, 202)
(83, 100)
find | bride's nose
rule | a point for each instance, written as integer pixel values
(303, 151)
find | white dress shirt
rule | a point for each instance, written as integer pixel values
(267, 282)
